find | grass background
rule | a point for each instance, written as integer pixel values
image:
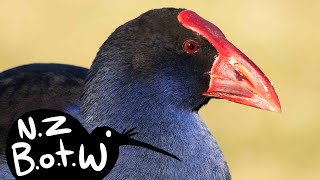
(282, 37)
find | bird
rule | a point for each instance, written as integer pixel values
(153, 73)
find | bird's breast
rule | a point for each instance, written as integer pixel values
(188, 138)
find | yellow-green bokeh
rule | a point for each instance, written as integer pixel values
(282, 37)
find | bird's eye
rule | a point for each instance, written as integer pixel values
(190, 46)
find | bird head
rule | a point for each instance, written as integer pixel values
(182, 59)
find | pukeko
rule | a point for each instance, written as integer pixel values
(153, 73)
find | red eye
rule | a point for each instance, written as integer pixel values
(190, 46)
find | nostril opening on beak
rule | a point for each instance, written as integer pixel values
(239, 76)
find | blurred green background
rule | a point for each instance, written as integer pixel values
(282, 37)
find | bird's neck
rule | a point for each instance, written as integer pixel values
(129, 105)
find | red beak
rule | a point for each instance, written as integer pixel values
(233, 75)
